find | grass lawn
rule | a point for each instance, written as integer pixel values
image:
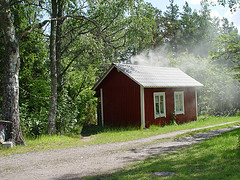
(98, 135)
(216, 158)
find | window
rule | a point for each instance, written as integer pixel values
(159, 104)
(179, 102)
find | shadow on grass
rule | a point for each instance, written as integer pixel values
(216, 158)
(186, 168)
(93, 129)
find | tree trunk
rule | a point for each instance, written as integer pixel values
(10, 107)
(53, 102)
(58, 52)
(59, 43)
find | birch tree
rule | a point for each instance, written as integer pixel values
(10, 107)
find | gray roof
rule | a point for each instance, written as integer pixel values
(153, 76)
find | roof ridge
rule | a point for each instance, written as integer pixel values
(145, 65)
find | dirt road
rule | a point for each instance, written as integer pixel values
(74, 163)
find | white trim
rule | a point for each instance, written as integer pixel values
(142, 106)
(164, 104)
(178, 93)
(196, 101)
(101, 93)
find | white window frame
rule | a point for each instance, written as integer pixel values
(176, 101)
(158, 94)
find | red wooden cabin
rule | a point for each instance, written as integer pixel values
(134, 95)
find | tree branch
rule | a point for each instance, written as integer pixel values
(71, 30)
(12, 3)
(39, 25)
(69, 64)
(72, 40)
(95, 23)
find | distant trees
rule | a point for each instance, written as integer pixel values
(220, 94)
(188, 30)
(232, 4)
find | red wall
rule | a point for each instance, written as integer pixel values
(121, 100)
(189, 106)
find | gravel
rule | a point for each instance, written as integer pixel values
(75, 163)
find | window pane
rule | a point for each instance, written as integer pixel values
(177, 106)
(161, 98)
(162, 107)
(157, 109)
(180, 103)
(157, 105)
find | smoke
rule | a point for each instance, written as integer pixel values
(156, 57)
(220, 94)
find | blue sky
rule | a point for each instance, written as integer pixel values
(217, 11)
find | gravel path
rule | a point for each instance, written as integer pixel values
(74, 163)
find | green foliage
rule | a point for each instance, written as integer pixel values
(232, 4)
(34, 85)
(33, 123)
(238, 137)
(114, 31)
(228, 51)
(91, 112)
(188, 30)
(173, 119)
(220, 93)
(238, 113)
(67, 112)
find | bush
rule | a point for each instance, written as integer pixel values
(33, 123)
(91, 113)
(67, 113)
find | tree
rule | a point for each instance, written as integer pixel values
(232, 4)
(53, 59)
(195, 27)
(102, 22)
(228, 52)
(219, 96)
(10, 107)
(172, 26)
(16, 16)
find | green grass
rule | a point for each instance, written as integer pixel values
(216, 158)
(121, 135)
(100, 135)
